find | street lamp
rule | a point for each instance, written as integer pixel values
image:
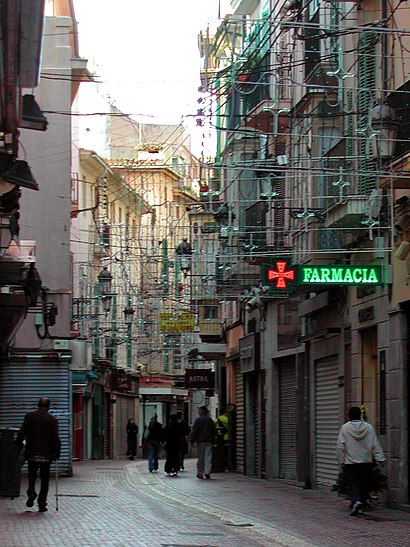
(128, 316)
(104, 288)
(385, 123)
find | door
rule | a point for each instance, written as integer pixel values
(98, 423)
(78, 431)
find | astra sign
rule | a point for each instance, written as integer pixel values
(280, 276)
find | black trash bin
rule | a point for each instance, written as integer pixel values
(11, 460)
(218, 458)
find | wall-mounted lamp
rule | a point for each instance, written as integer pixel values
(128, 315)
(402, 225)
(32, 117)
(402, 250)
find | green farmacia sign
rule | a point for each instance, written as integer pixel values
(339, 275)
(281, 276)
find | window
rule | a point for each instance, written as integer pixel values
(210, 313)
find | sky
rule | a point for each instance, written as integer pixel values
(146, 52)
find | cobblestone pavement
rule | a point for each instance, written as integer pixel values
(119, 503)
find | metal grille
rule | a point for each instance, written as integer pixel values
(26, 377)
(240, 422)
(327, 421)
(287, 420)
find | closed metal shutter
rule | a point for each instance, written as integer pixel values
(256, 421)
(263, 426)
(287, 420)
(327, 420)
(24, 378)
(240, 423)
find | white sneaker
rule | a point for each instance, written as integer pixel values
(356, 510)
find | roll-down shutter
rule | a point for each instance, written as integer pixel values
(288, 419)
(240, 422)
(327, 420)
(27, 376)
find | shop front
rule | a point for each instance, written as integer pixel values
(249, 365)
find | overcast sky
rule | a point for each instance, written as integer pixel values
(146, 52)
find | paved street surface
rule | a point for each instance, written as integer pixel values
(119, 503)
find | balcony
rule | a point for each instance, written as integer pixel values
(349, 213)
(399, 177)
(210, 328)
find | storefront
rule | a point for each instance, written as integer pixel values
(249, 364)
(25, 376)
(126, 406)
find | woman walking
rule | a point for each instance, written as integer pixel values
(173, 436)
(132, 435)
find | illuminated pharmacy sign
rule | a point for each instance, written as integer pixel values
(281, 276)
(340, 275)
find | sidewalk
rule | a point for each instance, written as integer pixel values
(119, 503)
(315, 516)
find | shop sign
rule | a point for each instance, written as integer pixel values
(121, 382)
(177, 322)
(280, 276)
(199, 378)
(249, 358)
(339, 275)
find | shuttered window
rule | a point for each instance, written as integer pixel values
(366, 79)
(350, 125)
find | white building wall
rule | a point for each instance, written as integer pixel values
(45, 215)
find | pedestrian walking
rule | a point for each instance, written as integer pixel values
(203, 434)
(173, 438)
(132, 435)
(153, 434)
(43, 445)
(185, 430)
(358, 447)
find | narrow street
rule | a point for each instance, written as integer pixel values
(119, 503)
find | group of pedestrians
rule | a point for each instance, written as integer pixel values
(358, 448)
(173, 437)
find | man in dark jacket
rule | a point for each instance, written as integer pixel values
(203, 433)
(40, 429)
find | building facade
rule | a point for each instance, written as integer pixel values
(313, 160)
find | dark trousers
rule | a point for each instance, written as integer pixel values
(172, 461)
(357, 477)
(33, 468)
(153, 449)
